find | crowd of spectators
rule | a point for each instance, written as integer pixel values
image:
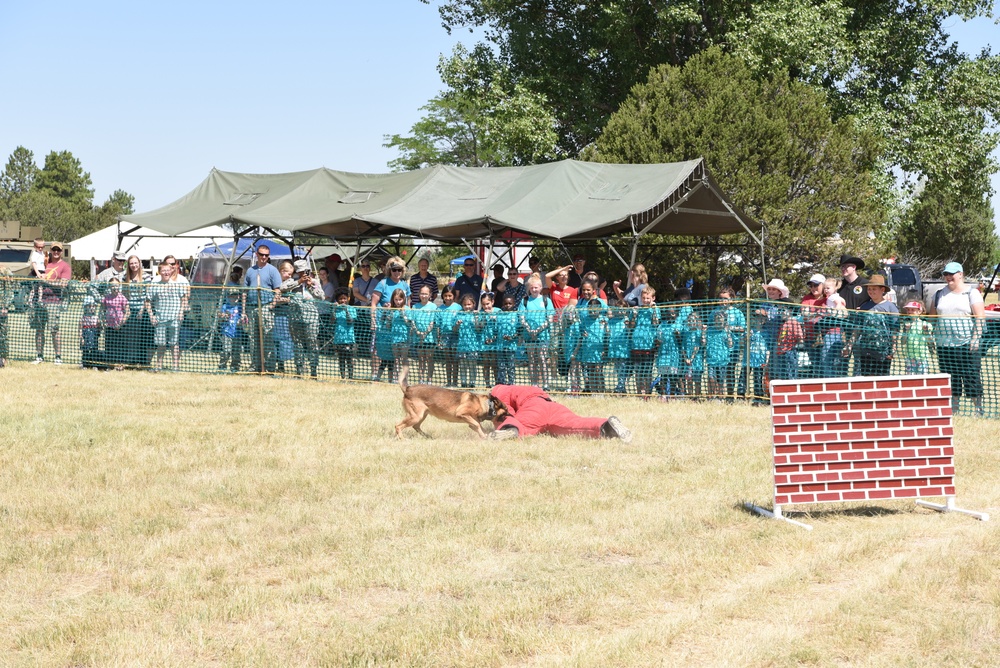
(545, 328)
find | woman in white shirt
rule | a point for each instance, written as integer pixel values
(958, 333)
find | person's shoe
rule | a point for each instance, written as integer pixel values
(503, 434)
(614, 428)
(58, 360)
(38, 360)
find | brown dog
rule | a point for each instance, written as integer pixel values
(419, 401)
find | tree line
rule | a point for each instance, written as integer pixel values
(842, 125)
(59, 196)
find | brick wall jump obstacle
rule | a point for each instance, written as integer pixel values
(862, 439)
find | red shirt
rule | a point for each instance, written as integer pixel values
(560, 298)
(818, 305)
(55, 271)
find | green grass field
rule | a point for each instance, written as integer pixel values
(182, 520)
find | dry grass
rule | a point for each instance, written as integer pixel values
(179, 520)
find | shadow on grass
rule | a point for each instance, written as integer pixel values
(835, 511)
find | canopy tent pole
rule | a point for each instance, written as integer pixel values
(614, 250)
(759, 240)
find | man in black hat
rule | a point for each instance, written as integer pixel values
(852, 289)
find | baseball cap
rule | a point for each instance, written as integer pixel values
(59, 246)
(302, 265)
(913, 304)
(952, 268)
(817, 279)
(118, 255)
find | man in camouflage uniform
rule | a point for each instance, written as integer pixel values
(305, 293)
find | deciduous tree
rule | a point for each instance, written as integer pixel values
(888, 63)
(483, 119)
(774, 149)
(943, 226)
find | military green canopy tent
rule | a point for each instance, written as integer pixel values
(562, 200)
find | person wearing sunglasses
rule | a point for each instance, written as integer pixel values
(469, 283)
(395, 271)
(958, 333)
(264, 281)
(47, 310)
(395, 274)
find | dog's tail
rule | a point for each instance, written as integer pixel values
(404, 372)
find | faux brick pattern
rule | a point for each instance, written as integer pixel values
(860, 439)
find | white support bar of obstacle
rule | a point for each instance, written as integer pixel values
(775, 515)
(949, 507)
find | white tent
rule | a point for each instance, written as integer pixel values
(146, 243)
(151, 246)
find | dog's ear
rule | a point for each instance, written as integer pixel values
(498, 410)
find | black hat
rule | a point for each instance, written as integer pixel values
(856, 261)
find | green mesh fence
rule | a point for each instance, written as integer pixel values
(696, 350)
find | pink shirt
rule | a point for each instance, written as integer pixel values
(114, 310)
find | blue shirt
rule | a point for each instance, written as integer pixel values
(535, 315)
(619, 336)
(668, 357)
(644, 327)
(489, 328)
(758, 349)
(343, 324)
(231, 319)
(507, 325)
(445, 317)
(593, 330)
(468, 285)
(423, 318)
(718, 345)
(387, 286)
(269, 280)
(467, 334)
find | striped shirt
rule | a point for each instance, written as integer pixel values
(417, 282)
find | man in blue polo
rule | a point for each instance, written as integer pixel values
(263, 279)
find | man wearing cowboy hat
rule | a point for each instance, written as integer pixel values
(852, 289)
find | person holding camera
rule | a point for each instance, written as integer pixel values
(304, 292)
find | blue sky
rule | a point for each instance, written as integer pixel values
(151, 96)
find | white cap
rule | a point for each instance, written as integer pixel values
(817, 278)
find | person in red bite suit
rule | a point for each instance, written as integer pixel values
(528, 410)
